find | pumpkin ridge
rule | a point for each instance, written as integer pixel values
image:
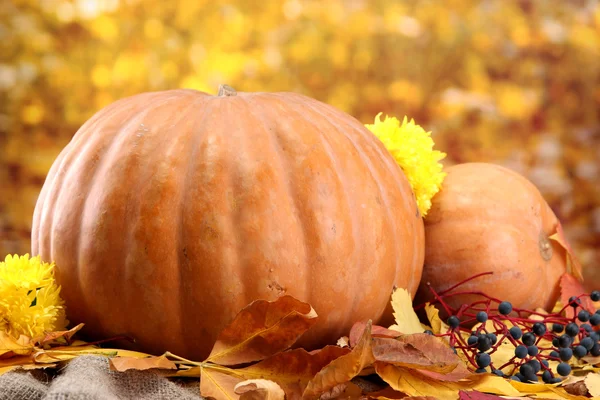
(180, 246)
(278, 148)
(350, 203)
(112, 146)
(391, 221)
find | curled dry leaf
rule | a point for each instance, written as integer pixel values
(433, 315)
(418, 351)
(406, 319)
(344, 368)
(52, 337)
(10, 347)
(259, 389)
(124, 363)
(577, 388)
(291, 370)
(376, 331)
(262, 329)
(573, 264)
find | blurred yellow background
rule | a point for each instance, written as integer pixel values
(515, 82)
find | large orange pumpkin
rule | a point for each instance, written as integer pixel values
(489, 218)
(168, 212)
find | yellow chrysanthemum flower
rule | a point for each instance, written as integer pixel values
(30, 302)
(412, 148)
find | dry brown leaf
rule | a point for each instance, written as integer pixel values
(418, 351)
(577, 388)
(592, 382)
(406, 319)
(10, 347)
(51, 337)
(124, 363)
(262, 329)
(293, 369)
(259, 389)
(376, 331)
(460, 373)
(344, 368)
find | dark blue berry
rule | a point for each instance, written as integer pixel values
(556, 379)
(498, 372)
(595, 320)
(555, 342)
(563, 369)
(545, 363)
(574, 301)
(493, 338)
(583, 316)
(547, 376)
(505, 308)
(515, 378)
(580, 351)
(554, 354)
(532, 350)
(595, 336)
(565, 341)
(515, 332)
(565, 353)
(482, 316)
(572, 329)
(484, 342)
(480, 371)
(526, 369)
(595, 295)
(472, 340)
(587, 327)
(453, 322)
(557, 328)
(483, 360)
(539, 329)
(535, 364)
(429, 332)
(587, 342)
(595, 351)
(520, 377)
(528, 339)
(521, 351)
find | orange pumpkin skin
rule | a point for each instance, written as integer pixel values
(169, 212)
(489, 218)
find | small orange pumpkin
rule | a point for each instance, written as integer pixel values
(168, 212)
(489, 218)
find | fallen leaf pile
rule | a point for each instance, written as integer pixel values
(253, 358)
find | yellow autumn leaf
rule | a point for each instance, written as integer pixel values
(433, 315)
(413, 383)
(10, 346)
(406, 319)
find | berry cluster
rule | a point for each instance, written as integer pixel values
(537, 338)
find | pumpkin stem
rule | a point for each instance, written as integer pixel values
(226, 91)
(545, 247)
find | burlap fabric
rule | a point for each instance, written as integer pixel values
(89, 378)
